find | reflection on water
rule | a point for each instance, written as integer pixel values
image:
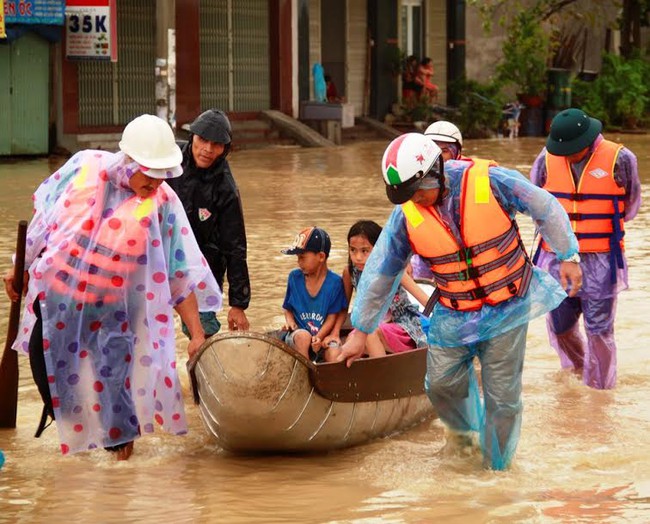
(582, 455)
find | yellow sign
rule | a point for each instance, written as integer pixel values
(3, 34)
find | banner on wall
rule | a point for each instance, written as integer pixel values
(49, 12)
(91, 30)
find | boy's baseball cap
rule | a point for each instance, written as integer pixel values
(312, 239)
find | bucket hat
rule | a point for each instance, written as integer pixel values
(572, 130)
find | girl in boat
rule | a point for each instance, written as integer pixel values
(401, 329)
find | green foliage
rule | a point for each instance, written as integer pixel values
(525, 55)
(480, 107)
(621, 93)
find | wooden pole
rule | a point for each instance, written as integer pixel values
(9, 364)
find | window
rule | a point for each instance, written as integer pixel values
(411, 27)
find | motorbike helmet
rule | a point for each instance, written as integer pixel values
(443, 131)
(406, 162)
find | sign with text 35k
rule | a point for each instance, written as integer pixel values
(91, 30)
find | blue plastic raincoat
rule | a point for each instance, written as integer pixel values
(107, 268)
(496, 334)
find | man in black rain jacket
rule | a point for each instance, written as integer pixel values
(211, 200)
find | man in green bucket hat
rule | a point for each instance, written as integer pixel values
(597, 182)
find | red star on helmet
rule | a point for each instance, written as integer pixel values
(420, 158)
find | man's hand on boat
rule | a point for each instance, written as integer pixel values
(237, 320)
(353, 348)
(195, 343)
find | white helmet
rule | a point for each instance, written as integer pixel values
(443, 131)
(406, 161)
(150, 141)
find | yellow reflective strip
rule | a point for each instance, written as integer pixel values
(144, 209)
(412, 214)
(482, 189)
(480, 171)
(80, 180)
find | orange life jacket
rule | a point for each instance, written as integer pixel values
(95, 263)
(490, 266)
(596, 207)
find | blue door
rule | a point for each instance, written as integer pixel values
(24, 92)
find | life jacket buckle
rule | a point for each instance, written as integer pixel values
(470, 273)
(512, 288)
(478, 293)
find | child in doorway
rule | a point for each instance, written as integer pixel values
(401, 329)
(314, 297)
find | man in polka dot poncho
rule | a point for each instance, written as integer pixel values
(111, 254)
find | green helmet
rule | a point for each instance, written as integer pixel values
(571, 132)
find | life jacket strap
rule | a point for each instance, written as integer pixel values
(578, 197)
(474, 272)
(466, 254)
(433, 299)
(42, 426)
(594, 216)
(524, 272)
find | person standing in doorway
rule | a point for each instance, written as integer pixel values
(597, 182)
(211, 200)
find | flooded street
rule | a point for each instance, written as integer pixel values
(583, 454)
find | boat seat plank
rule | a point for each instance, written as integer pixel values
(370, 379)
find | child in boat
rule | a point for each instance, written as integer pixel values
(314, 297)
(401, 329)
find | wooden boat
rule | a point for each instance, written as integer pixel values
(256, 394)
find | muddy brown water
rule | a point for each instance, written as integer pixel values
(583, 454)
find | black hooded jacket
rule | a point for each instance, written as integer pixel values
(212, 203)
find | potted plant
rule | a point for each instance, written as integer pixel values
(525, 56)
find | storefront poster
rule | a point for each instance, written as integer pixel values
(51, 12)
(91, 30)
(3, 34)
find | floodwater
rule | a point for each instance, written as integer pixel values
(583, 454)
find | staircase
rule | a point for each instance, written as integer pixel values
(360, 133)
(252, 133)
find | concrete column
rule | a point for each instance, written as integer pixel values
(166, 61)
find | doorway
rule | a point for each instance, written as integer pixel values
(24, 93)
(334, 41)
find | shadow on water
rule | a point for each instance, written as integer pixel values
(582, 455)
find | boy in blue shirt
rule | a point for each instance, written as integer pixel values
(314, 296)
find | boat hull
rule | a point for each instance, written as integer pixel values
(256, 394)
